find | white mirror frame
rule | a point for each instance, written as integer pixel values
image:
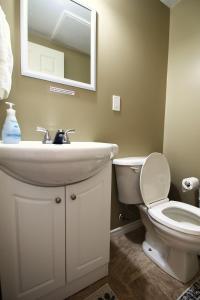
(24, 51)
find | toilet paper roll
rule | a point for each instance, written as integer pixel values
(190, 183)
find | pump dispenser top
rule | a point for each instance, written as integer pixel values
(11, 133)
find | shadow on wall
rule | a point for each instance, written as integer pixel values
(174, 193)
(191, 197)
(197, 198)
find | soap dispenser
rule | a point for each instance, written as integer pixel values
(11, 133)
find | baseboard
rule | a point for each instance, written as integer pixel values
(126, 228)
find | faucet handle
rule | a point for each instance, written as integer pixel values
(47, 138)
(70, 131)
(66, 139)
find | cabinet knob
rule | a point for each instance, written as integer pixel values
(73, 197)
(58, 200)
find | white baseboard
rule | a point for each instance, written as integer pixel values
(126, 228)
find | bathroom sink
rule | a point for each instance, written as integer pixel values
(54, 165)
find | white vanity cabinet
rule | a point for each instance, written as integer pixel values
(54, 241)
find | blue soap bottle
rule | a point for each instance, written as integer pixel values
(11, 133)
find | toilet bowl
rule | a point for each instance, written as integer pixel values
(172, 238)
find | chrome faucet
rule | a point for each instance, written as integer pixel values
(62, 137)
(47, 138)
(66, 139)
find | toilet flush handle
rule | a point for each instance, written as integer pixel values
(135, 169)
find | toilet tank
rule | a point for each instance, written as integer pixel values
(128, 179)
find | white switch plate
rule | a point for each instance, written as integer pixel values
(116, 103)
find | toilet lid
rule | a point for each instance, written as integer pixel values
(155, 178)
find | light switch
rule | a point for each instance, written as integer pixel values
(116, 103)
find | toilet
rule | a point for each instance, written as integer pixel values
(172, 238)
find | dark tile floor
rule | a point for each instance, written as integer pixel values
(132, 275)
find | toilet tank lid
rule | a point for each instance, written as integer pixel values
(130, 161)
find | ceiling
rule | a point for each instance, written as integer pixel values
(170, 3)
(64, 22)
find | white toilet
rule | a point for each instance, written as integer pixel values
(172, 238)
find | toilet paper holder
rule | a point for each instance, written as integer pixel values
(191, 184)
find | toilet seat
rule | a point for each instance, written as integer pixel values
(178, 216)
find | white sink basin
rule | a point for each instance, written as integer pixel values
(54, 165)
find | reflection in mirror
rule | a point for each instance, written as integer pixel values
(59, 41)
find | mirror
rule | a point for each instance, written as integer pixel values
(58, 42)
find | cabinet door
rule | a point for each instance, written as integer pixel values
(33, 239)
(88, 224)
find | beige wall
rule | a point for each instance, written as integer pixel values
(76, 64)
(182, 119)
(132, 47)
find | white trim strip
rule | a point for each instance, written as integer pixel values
(126, 228)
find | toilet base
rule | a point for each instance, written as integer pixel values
(164, 250)
(179, 265)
